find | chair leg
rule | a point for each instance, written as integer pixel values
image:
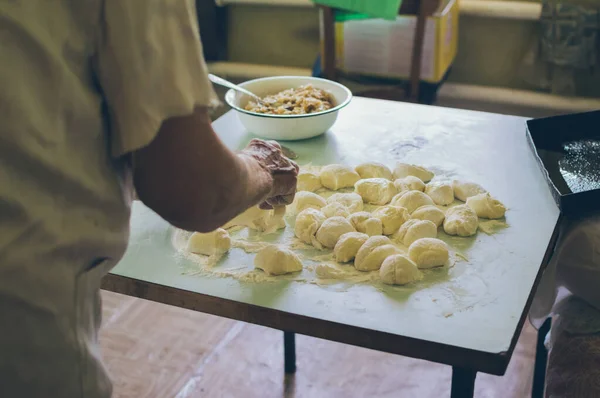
(289, 352)
(328, 61)
(417, 53)
(541, 360)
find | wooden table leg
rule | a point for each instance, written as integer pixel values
(289, 352)
(463, 383)
(541, 360)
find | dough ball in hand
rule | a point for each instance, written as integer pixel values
(404, 169)
(365, 223)
(211, 243)
(277, 260)
(308, 181)
(431, 213)
(374, 170)
(441, 193)
(392, 217)
(464, 190)
(409, 183)
(351, 200)
(308, 223)
(486, 206)
(398, 269)
(308, 200)
(348, 245)
(411, 200)
(429, 253)
(330, 231)
(461, 220)
(338, 176)
(413, 229)
(375, 191)
(335, 209)
(373, 252)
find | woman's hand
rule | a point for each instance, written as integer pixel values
(283, 171)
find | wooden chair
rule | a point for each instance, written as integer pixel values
(422, 9)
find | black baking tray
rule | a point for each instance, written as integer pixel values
(560, 142)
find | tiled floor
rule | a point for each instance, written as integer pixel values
(153, 350)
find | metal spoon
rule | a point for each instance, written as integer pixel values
(225, 83)
(287, 152)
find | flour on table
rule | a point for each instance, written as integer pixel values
(337, 253)
(491, 227)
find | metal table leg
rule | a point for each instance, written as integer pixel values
(463, 383)
(289, 352)
(541, 360)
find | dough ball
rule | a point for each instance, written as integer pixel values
(277, 260)
(208, 244)
(352, 201)
(429, 253)
(429, 212)
(373, 226)
(399, 270)
(335, 209)
(338, 176)
(374, 170)
(392, 217)
(308, 223)
(330, 231)
(411, 200)
(373, 252)
(365, 223)
(409, 183)
(347, 246)
(259, 219)
(403, 170)
(358, 220)
(441, 193)
(486, 206)
(375, 191)
(308, 181)
(308, 200)
(413, 229)
(464, 189)
(461, 220)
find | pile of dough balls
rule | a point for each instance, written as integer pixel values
(383, 219)
(390, 222)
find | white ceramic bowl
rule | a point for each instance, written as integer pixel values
(287, 127)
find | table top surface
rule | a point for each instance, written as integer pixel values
(477, 306)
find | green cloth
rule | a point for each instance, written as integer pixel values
(343, 16)
(386, 9)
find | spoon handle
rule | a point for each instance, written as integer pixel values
(225, 83)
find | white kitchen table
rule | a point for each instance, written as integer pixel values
(469, 318)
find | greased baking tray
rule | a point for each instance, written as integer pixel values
(568, 151)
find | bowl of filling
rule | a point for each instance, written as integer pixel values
(292, 107)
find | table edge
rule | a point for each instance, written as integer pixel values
(492, 363)
(536, 283)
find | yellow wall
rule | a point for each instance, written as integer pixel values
(273, 35)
